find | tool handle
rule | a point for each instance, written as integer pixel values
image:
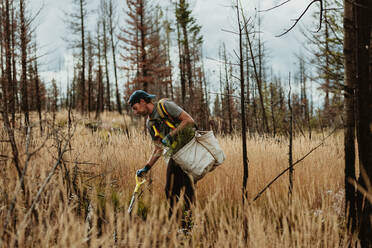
(138, 184)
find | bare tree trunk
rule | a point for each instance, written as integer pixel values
(113, 50)
(228, 90)
(248, 101)
(259, 85)
(168, 37)
(349, 131)
(1, 40)
(6, 81)
(206, 96)
(82, 82)
(272, 98)
(290, 159)
(90, 72)
(187, 55)
(255, 111)
(38, 100)
(99, 107)
(99, 92)
(108, 97)
(24, 42)
(327, 64)
(363, 20)
(242, 106)
(143, 47)
(13, 97)
(181, 66)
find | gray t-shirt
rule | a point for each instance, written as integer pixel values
(154, 119)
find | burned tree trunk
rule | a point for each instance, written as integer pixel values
(363, 20)
(349, 129)
(113, 50)
(38, 100)
(242, 106)
(290, 159)
(6, 81)
(259, 86)
(24, 42)
(82, 79)
(14, 92)
(105, 46)
(181, 66)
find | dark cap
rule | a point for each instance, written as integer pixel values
(138, 95)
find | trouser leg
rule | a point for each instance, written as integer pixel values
(178, 180)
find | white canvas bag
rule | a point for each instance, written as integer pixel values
(201, 155)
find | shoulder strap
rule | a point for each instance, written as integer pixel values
(161, 109)
(164, 114)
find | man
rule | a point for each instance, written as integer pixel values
(166, 132)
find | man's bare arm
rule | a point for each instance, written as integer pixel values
(186, 120)
(156, 154)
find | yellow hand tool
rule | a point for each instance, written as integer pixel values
(135, 193)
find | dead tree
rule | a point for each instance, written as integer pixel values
(228, 90)
(363, 68)
(6, 81)
(77, 24)
(105, 51)
(259, 86)
(38, 95)
(14, 92)
(349, 128)
(111, 16)
(90, 60)
(290, 159)
(242, 105)
(99, 83)
(24, 40)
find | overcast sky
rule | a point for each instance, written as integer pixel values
(212, 15)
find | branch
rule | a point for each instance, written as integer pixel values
(220, 61)
(229, 31)
(51, 173)
(21, 181)
(303, 13)
(277, 6)
(82, 163)
(229, 63)
(297, 162)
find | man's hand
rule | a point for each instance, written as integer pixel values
(143, 171)
(168, 140)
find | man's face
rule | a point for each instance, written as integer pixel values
(140, 108)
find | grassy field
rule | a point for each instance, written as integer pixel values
(85, 202)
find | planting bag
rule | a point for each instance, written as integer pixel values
(201, 155)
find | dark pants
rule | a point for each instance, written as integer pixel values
(178, 181)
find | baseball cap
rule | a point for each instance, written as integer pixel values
(138, 95)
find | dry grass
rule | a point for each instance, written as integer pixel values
(104, 163)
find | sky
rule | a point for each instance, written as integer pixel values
(213, 15)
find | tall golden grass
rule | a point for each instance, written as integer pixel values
(91, 210)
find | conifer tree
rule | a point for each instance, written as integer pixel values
(190, 40)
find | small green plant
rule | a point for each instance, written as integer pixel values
(142, 209)
(115, 199)
(181, 139)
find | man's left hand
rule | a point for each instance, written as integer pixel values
(167, 141)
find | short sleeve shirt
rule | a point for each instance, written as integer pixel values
(155, 120)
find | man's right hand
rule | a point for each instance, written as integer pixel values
(167, 141)
(143, 171)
